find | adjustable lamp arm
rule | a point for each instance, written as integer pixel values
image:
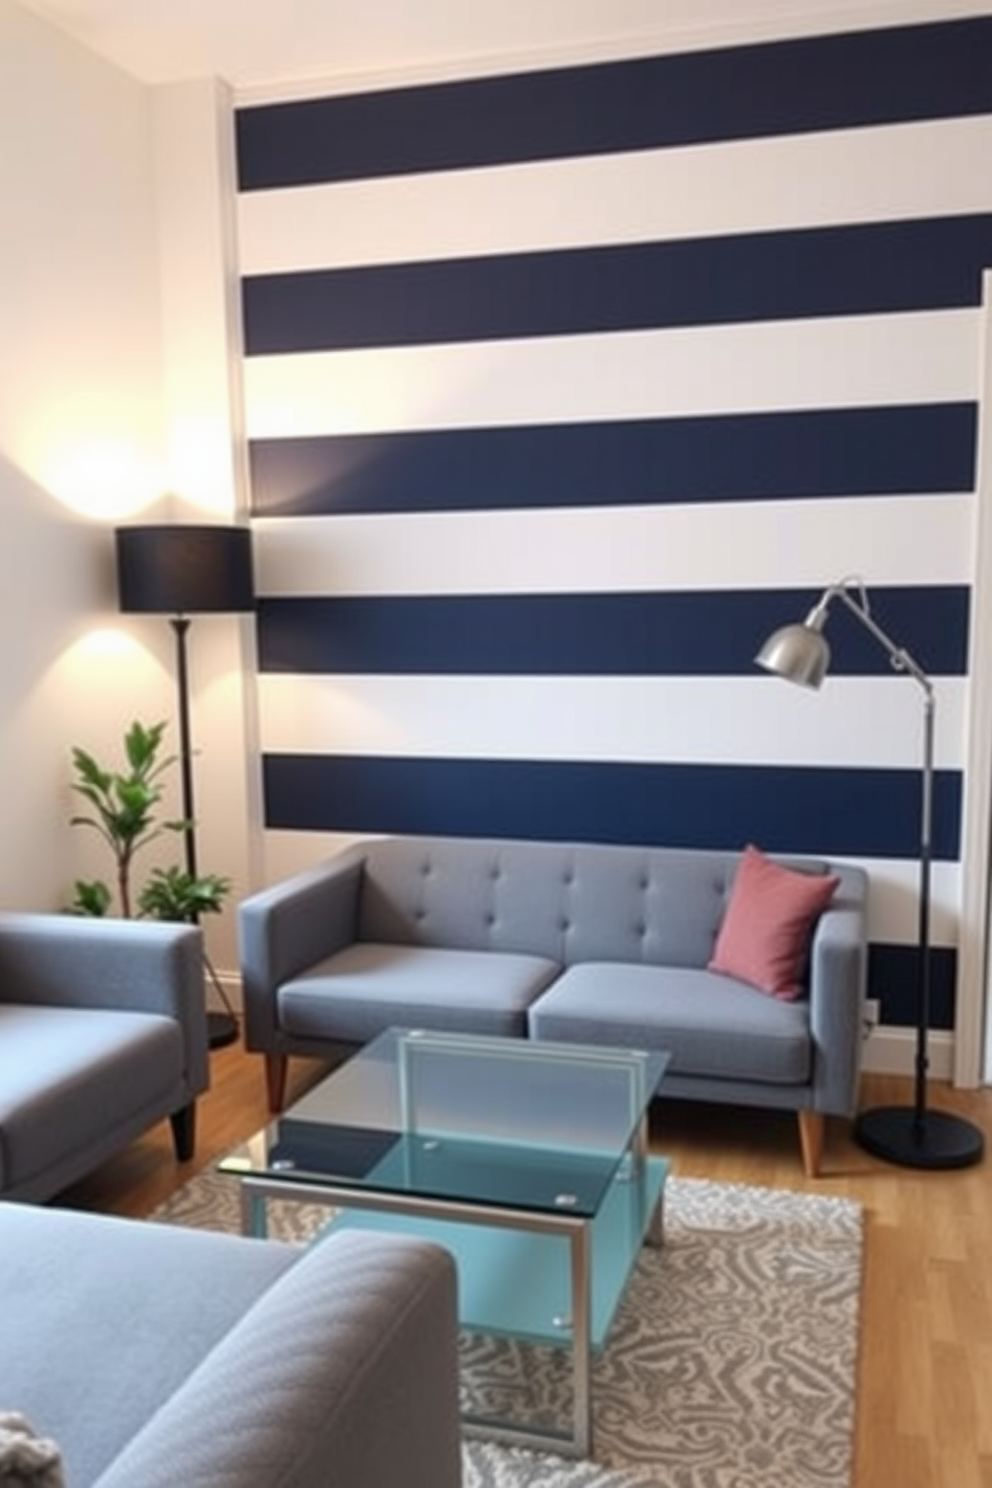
(901, 659)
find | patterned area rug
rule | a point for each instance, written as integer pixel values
(731, 1364)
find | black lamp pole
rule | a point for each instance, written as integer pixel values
(180, 624)
(179, 570)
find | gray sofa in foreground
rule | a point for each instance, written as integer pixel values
(102, 1034)
(153, 1355)
(566, 941)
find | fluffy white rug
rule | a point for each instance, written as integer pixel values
(731, 1364)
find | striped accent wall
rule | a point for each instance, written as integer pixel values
(563, 389)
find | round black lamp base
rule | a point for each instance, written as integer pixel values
(937, 1139)
(221, 1030)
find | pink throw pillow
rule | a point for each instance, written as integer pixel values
(766, 931)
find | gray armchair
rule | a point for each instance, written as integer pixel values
(102, 1034)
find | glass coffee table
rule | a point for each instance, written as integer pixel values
(528, 1160)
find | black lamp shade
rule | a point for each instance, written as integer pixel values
(184, 570)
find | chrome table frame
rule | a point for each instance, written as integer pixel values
(256, 1190)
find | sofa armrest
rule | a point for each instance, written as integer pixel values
(343, 1373)
(290, 926)
(141, 966)
(838, 981)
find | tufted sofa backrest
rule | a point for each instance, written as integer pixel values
(568, 901)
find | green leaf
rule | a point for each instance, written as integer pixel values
(92, 898)
(173, 894)
(121, 809)
(89, 771)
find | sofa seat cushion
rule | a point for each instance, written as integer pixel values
(65, 1073)
(74, 1285)
(709, 1024)
(368, 987)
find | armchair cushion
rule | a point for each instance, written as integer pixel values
(132, 1061)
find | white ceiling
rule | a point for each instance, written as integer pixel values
(263, 45)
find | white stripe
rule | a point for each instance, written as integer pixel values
(550, 37)
(823, 363)
(893, 885)
(857, 722)
(893, 898)
(286, 853)
(745, 545)
(806, 180)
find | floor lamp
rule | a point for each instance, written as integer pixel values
(913, 1136)
(178, 570)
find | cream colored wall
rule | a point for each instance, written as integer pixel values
(116, 404)
(80, 427)
(205, 453)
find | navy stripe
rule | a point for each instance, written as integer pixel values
(737, 457)
(892, 978)
(682, 633)
(833, 812)
(867, 268)
(784, 87)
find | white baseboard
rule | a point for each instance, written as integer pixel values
(231, 983)
(892, 1051)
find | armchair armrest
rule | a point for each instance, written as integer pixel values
(290, 926)
(141, 966)
(344, 1373)
(838, 980)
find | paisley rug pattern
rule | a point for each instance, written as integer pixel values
(732, 1361)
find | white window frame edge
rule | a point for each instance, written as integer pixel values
(972, 1039)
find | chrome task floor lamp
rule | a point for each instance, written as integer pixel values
(915, 1136)
(181, 570)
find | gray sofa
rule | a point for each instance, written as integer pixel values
(575, 942)
(154, 1356)
(102, 1034)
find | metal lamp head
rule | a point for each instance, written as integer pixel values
(799, 653)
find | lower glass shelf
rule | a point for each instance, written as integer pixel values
(515, 1283)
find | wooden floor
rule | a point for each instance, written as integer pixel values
(925, 1368)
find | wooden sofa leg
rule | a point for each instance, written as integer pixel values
(812, 1131)
(183, 1125)
(276, 1070)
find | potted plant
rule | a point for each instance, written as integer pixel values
(123, 805)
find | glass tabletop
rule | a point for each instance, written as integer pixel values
(528, 1124)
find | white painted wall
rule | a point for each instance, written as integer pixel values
(80, 429)
(206, 469)
(116, 404)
